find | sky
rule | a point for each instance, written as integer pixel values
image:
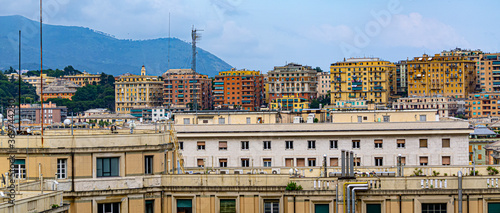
(258, 35)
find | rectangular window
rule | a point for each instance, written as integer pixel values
(108, 208)
(374, 207)
(311, 144)
(267, 162)
(301, 162)
(186, 120)
(379, 161)
(20, 168)
(200, 162)
(360, 119)
(223, 162)
(288, 144)
(378, 143)
(446, 160)
(267, 145)
(248, 120)
(311, 162)
(245, 162)
(108, 167)
(434, 208)
(148, 165)
(423, 118)
(244, 145)
(423, 143)
(222, 120)
(387, 118)
(334, 161)
(289, 162)
(357, 161)
(446, 142)
(424, 161)
(200, 145)
(227, 206)
(62, 165)
(400, 143)
(149, 206)
(181, 145)
(479, 156)
(222, 145)
(334, 144)
(271, 206)
(403, 161)
(184, 206)
(355, 144)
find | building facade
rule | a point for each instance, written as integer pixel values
(362, 78)
(446, 107)
(401, 79)
(31, 113)
(183, 88)
(35, 81)
(137, 91)
(60, 88)
(84, 79)
(449, 76)
(323, 84)
(482, 105)
(289, 103)
(292, 79)
(488, 72)
(242, 88)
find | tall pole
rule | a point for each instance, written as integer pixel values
(41, 71)
(19, 95)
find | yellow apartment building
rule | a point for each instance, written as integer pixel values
(84, 79)
(369, 79)
(449, 76)
(289, 103)
(138, 91)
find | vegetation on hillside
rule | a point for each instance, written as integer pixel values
(9, 89)
(69, 70)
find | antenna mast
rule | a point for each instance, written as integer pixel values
(41, 73)
(194, 36)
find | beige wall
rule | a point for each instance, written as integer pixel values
(229, 118)
(378, 116)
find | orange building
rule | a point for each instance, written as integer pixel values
(60, 88)
(183, 88)
(488, 72)
(243, 88)
(482, 105)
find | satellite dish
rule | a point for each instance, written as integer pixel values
(28, 130)
(67, 121)
(131, 125)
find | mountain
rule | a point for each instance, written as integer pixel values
(95, 52)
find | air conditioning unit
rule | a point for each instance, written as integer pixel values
(224, 172)
(238, 171)
(276, 171)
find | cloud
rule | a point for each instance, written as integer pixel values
(327, 33)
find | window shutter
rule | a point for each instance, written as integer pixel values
(424, 160)
(222, 144)
(334, 162)
(201, 143)
(401, 141)
(446, 160)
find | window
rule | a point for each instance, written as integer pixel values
(222, 145)
(108, 208)
(357, 161)
(374, 207)
(334, 144)
(379, 161)
(108, 167)
(227, 206)
(387, 118)
(288, 162)
(311, 144)
(181, 145)
(271, 206)
(434, 208)
(403, 161)
(186, 120)
(378, 143)
(150, 206)
(321, 208)
(244, 145)
(223, 162)
(248, 120)
(423, 117)
(446, 142)
(400, 143)
(62, 165)
(148, 165)
(222, 120)
(423, 161)
(423, 143)
(288, 144)
(334, 161)
(360, 119)
(267, 145)
(355, 144)
(446, 160)
(245, 162)
(201, 145)
(479, 156)
(200, 162)
(311, 162)
(20, 168)
(184, 206)
(267, 162)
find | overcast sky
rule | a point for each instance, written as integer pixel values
(255, 34)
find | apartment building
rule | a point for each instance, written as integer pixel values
(292, 79)
(449, 76)
(149, 114)
(184, 88)
(35, 81)
(303, 145)
(84, 79)
(323, 84)
(401, 78)
(446, 106)
(241, 88)
(368, 79)
(488, 72)
(289, 103)
(137, 91)
(482, 105)
(31, 113)
(60, 88)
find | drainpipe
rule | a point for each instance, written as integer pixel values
(351, 165)
(353, 196)
(400, 204)
(72, 170)
(459, 191)
(347, 193)
(337, 198)
(342, 157)
(293, 203)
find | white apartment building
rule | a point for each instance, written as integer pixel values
(303, 145)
